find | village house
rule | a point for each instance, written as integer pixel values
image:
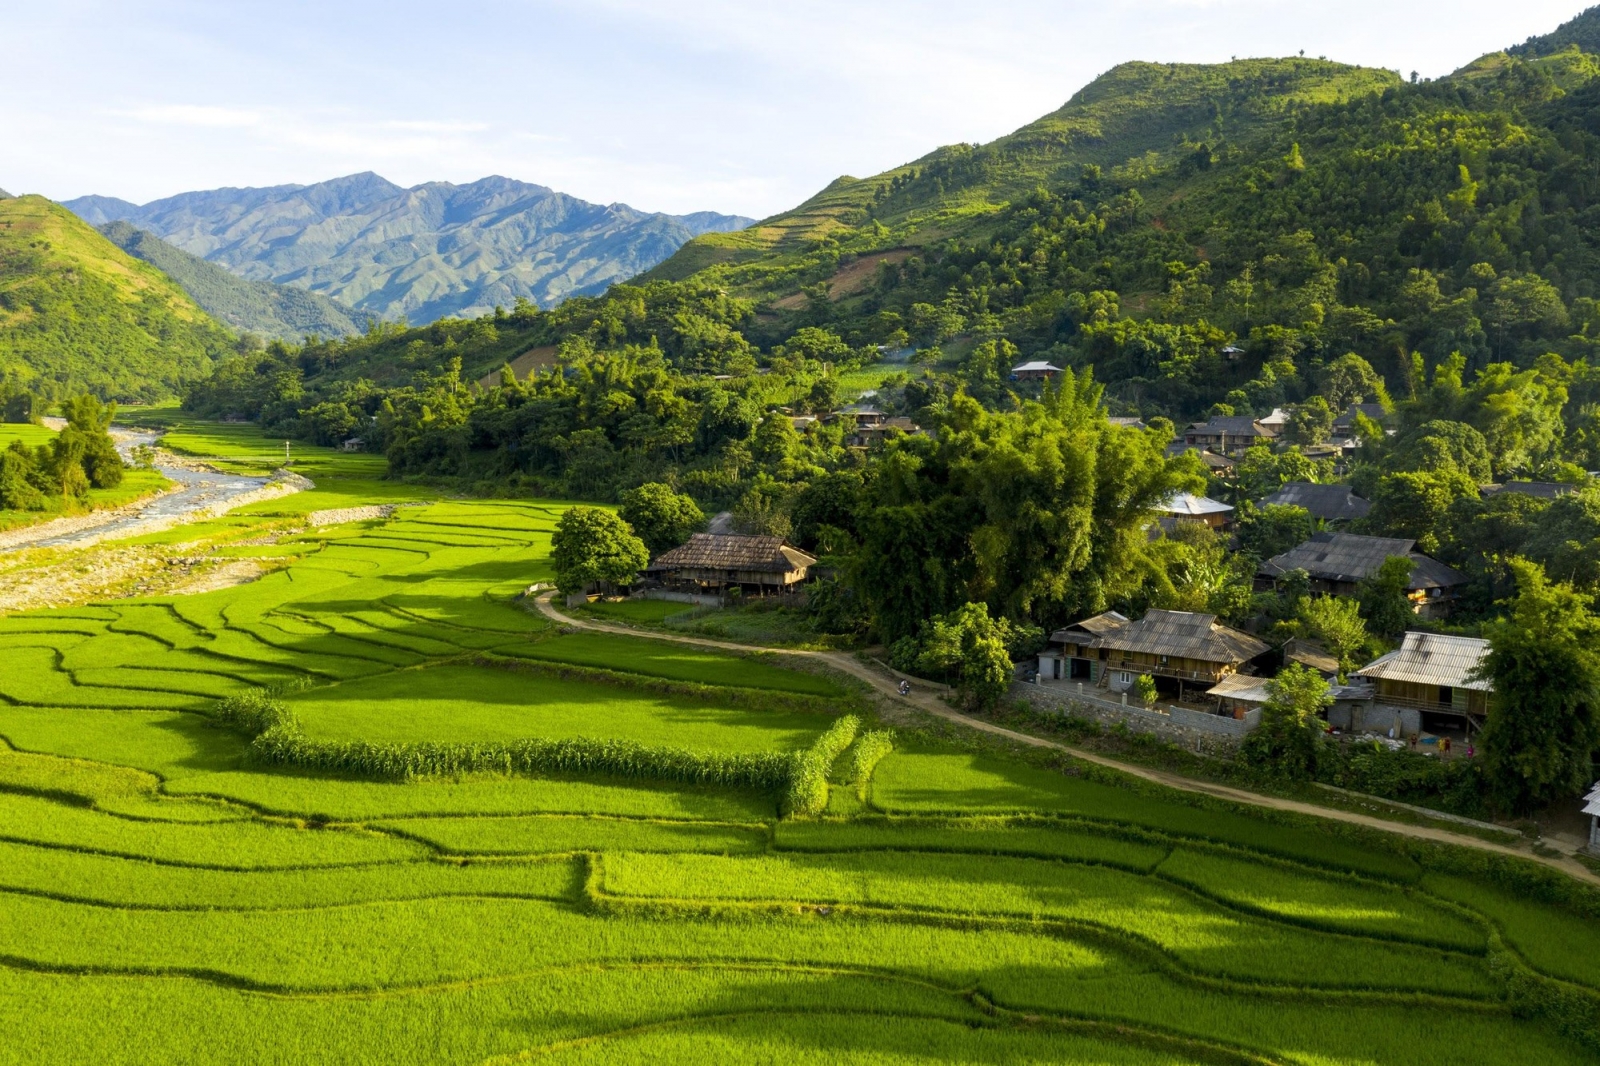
(867, 435)
(1200, 510)
(1229, 435)
(1431, 674)
(1591, 807)
(1338, 562)
(721, 562)
(1127, 422)
(1344, 427)
(1177, 648)
(1035, 371)
(1326, 503)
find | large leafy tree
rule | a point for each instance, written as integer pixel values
(661, 518)
(1383, 599)
(595, 547)
(1544, 714)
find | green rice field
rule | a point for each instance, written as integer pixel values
(176, 885)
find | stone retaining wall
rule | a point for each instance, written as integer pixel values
(338, 516)
(1192, 729)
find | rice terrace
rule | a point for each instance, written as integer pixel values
(1120, 588)
(373, 807)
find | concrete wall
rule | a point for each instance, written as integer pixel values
(1365, 716)
(1192, 729)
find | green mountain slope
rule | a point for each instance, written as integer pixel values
(78, 312)
(1582, 33)
(261, 307)
(1138, 116)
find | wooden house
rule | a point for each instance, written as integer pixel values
(1229, 435)
(718, 562)
(1338, 562)
(1433, 673)
(867, 435)
(1175, 647)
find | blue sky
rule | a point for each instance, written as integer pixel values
(670, 105)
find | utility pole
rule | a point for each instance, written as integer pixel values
(286, 459)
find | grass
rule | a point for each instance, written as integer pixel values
(149, 869)
(679, 662)
(455, 704)
(646, 612)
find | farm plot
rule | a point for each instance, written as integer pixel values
(973, 908)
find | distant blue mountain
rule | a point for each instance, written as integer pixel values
(423, 253)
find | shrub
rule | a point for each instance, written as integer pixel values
(1144, 688)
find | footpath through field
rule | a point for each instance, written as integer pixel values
(887, 685)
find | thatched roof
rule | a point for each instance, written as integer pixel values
(730, 551)
(1348, 558)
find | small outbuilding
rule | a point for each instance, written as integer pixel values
(1201, 510)
(1035, 371)
(719, 562)
(1542, 490)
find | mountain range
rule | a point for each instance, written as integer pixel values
(274, 312)
(422, 253)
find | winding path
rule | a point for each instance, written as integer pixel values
(887, 685)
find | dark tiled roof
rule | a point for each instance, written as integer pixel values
(1180, 633)
(1347, 558)
(1233, 426)
(1331, 503)
(729, 551)
(1347, 420)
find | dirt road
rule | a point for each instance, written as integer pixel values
(926, 701)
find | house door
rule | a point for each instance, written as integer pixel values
(1082, 669)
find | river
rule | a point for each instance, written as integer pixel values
(197, 491)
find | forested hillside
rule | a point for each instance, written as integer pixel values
(77, 313)
(272, 311)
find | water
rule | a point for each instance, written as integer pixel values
(200, 490)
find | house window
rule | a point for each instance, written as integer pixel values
(1163, 660)
(1124, 678)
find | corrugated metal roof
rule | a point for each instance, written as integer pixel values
(728, 551)
(1035, 366)
(1185, 634)
(1432, 659)
(1347, 557)
(1347, 420)
(1331, 503)
(1241, 687)
(1184, 503)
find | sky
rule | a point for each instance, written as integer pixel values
(739, 106)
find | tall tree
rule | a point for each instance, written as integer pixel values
(595, 547)
(1544, 714)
